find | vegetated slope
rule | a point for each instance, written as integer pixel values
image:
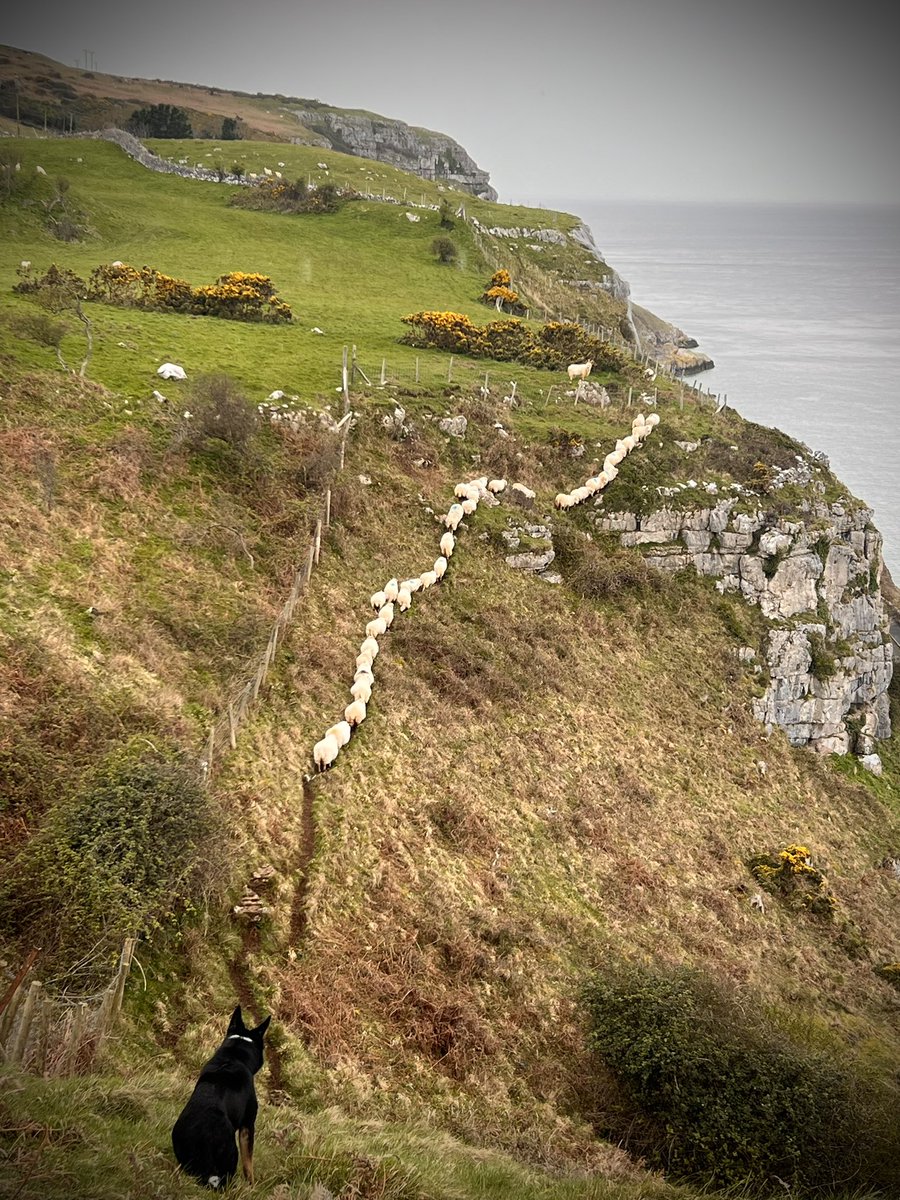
(550, 778)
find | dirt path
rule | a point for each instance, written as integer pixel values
(307, 849)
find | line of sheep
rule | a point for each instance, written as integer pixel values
(397, 596)
(641, 427)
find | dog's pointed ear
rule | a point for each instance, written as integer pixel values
(236, 1024)
(260, 1030)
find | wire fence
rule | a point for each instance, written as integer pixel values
(58, 1035)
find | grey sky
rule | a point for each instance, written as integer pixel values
(665, 99)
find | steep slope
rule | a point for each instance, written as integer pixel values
(550, 778)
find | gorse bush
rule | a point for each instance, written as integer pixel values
(115, 858)
(712, 1091)
(790, 874)
(553, 346)
(282, 196)
(500, 294)
(237, 296)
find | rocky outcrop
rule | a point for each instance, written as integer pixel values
(828, 657)
(427, 154)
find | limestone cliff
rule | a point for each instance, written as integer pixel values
(427, 154)
(828, 659)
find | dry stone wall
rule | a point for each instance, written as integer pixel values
(829, 655)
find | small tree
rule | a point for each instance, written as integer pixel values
(161, 121)
(59, 290)
(446, 214)
(445, 250)
(230, 130)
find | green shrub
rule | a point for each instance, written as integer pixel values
(602, 572)
(220, 410)
(444, 249)
(712, 1091)
(112, 860)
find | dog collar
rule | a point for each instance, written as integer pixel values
(239, 1036)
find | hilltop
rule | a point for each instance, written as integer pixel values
(561, 772)
(46, 95)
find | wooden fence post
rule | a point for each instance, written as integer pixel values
(353, 366)
(210, 750)
(74, 1039)
(450, 369)
(122, 975)
(328, 508)
(232, 735)
(318, 541)
(20, 1041)
(344, 383)
(417, 368)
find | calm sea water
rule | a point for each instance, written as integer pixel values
(800, 309)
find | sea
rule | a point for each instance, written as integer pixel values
(798, 306)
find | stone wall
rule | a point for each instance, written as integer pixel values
(828, 655)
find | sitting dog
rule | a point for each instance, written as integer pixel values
(223, 1104)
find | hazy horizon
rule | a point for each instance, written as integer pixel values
(638, 99)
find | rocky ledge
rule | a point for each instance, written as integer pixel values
(828, 659)
(427, 154)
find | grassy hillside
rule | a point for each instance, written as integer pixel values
(552, 780)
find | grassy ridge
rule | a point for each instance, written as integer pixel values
(544, 782)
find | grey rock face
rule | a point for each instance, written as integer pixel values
(427, 154)
(828, 674)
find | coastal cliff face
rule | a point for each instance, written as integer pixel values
(828, 659)
(427, 154)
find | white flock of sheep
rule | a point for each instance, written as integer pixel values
(641, 427)
(396, 596)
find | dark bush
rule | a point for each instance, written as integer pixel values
(713, 1091)
(115, 858)
(444, 249)
(160, 121)
(220, 410)
(602, 572)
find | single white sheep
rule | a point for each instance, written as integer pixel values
(454, 515)
(496, 486)
(563, 500)
(376, 628)
(461, 490)
(629, 442)
(341, 731)
(440, 567)
(411, 585)
(581, 494)
(638, 420)
(391, 588)
(429, 579)
(364, 660)
(579, 370)
(364, 672)
(602, 480)
(326, 751)
(369, 646)
(355, 713)
(447, 544)
(378, 600)
(473, 493)
(469, 506)
(362, 690)
(404, 599)
(653, 420)
(387, 613)
(611, 473)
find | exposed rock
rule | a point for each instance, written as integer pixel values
(427, 154)
(455, 426)
(828, 677)
(531, 560)
(872, 763)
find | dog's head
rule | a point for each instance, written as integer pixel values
(238, 1032)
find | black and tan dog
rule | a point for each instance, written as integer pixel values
(223, 1104)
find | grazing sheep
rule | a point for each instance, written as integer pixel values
(629, 442)
(610, 461)
(364, 672)
(580, 495)
(461, 490)
(469, 506)
(429, 579)
(454, 515)
(638, 420)
(355, 713)
(364, 660)
(496, 486)
(341, 731)
(404, 599)
(602, 480)
(611, 473)
(362, 690)
(411, 585)
(563, 500)
(369, 646)
(473, 492)
(376, 628)
(387, 613)
(391, 588)
(579, 370)
(439, 570)
(448, 544)
(378, 600)
(653, 420)
(326, 751)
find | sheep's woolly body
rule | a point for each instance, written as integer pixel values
(404, 599)
(341, 731)
(447, 544)
(355, 713)
(439, 569)
(326, 751)
(376, 628)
